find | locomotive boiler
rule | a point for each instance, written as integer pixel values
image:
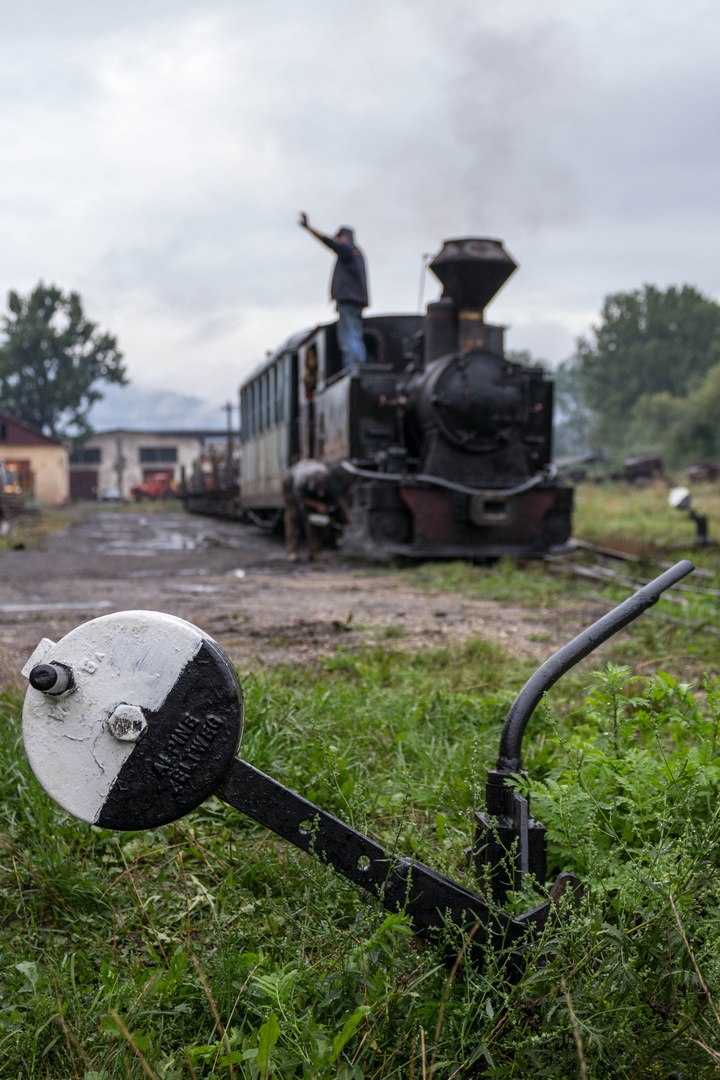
(448, 442)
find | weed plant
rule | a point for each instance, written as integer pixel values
(209, 948)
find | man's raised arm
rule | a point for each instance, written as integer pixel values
(327, 240)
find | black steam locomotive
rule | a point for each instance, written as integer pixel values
(448, 442)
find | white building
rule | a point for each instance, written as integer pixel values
(119, 460)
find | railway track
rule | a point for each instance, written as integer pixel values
(610, 566)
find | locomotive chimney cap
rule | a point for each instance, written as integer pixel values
(472, 270)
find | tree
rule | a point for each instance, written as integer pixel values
(648, 342)
(52, 360)
(573, 419)
(695, 435)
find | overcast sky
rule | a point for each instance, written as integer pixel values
(155, 154)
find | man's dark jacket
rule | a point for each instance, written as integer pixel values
(349, 280)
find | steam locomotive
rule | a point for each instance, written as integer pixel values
(448, 442)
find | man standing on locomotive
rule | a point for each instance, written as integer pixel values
(348, 289)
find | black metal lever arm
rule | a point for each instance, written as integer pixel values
(430, 898)
(546, 676)
(306, 826)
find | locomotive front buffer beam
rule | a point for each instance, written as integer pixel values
(132, 720)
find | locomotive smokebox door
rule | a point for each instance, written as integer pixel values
(131, 720)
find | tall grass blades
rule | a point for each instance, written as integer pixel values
(210, 948)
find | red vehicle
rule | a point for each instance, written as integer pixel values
(157, 486)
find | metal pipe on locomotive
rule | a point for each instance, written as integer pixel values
(448, 441)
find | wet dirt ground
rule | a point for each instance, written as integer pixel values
(234, 581)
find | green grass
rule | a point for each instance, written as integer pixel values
(681, 632)
(510, 581)
(123, 953)
(211, 949)
(144, 506)
(32, 530)
(619, 512)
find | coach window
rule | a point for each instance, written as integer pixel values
(311, 373)
(279, 376)
(286, 389)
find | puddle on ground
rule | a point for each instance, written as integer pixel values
(147, 545)
(188, 587)
(129, 536)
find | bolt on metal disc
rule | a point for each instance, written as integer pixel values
(144, 726)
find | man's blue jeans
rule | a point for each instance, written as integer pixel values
(350, 333)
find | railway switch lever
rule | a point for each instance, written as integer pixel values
(149, 724)
(681, 499)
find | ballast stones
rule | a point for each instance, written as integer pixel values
(141, 723)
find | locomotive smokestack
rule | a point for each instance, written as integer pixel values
(472, 271)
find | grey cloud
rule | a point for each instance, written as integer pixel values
(155, 410)
(41, 19)
(581, 134)
(212, 329)
(445, 152)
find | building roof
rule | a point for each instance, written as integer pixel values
(18, 433)
(188, 433)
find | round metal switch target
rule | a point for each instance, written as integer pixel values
(144, 727)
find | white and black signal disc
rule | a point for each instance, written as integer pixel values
(150, 724)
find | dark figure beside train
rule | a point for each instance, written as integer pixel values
(448, 442)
